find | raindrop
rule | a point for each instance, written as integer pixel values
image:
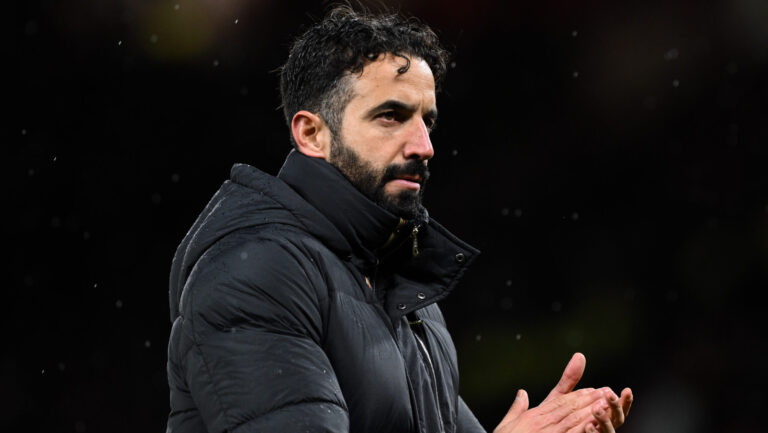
(243, 255)
(147, 343)
(236, 20)
(215, 63)
(518, 213)
(23, 132)
(95, 285)
(176, 7)
(454, 152)
(453, 65)
(672, 54)
(42, 371)
(508, 283)
(175, 178)
(575, 216)
(505, 211)
(575, 33)
(518, 337)
(54, 159)
(61, 366)
(119, 43)
(119, 304)
(86, 236)
(156, 198)
(153, 38)
(575, 74)
(675, 83)
(279, 371)
(478, 337)
(31, 171)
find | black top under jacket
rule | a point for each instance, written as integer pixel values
(298, 305)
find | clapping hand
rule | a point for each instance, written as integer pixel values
(564, 410)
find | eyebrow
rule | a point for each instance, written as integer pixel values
(393, 104)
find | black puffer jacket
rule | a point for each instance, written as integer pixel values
(275, 326)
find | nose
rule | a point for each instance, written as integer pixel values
(419, 146)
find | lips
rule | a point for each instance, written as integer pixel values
(412, 175)
(410, 178)
(406, 183)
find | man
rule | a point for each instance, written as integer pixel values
(307, 302)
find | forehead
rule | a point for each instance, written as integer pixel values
(380, 81)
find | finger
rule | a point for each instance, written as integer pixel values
(615, 408)
(602, 414)
(519, 406)
(566, 405)
(626, 400)
(575, 422)
(571, 376)
(584, 424)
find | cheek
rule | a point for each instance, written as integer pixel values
(378, 153)
(378, 146)
(387, 150)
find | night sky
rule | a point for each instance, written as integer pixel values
(609, 160)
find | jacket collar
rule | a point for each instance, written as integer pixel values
(365, 225)
(408, 282)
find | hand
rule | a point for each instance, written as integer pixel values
(564, 410)
(609, 417)
(572, 413)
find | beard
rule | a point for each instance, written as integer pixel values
(371, 182)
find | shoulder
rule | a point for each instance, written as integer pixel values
(255, 275)
(257, 255)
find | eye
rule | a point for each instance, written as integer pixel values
(430, 123)
(388, 115)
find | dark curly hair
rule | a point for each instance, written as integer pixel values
(315, 76)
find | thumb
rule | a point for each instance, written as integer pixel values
(571, 376)
(518, 407)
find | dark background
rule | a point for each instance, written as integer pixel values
(609, 160)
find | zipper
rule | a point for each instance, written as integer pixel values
(393, 235)
(431, 368)
(415, 237)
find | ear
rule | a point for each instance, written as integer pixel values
(312, 135)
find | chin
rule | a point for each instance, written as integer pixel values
(405, 204)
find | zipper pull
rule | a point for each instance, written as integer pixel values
(415, 237)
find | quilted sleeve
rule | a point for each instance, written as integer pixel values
(253, 317)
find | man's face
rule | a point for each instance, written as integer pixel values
(383, 145)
